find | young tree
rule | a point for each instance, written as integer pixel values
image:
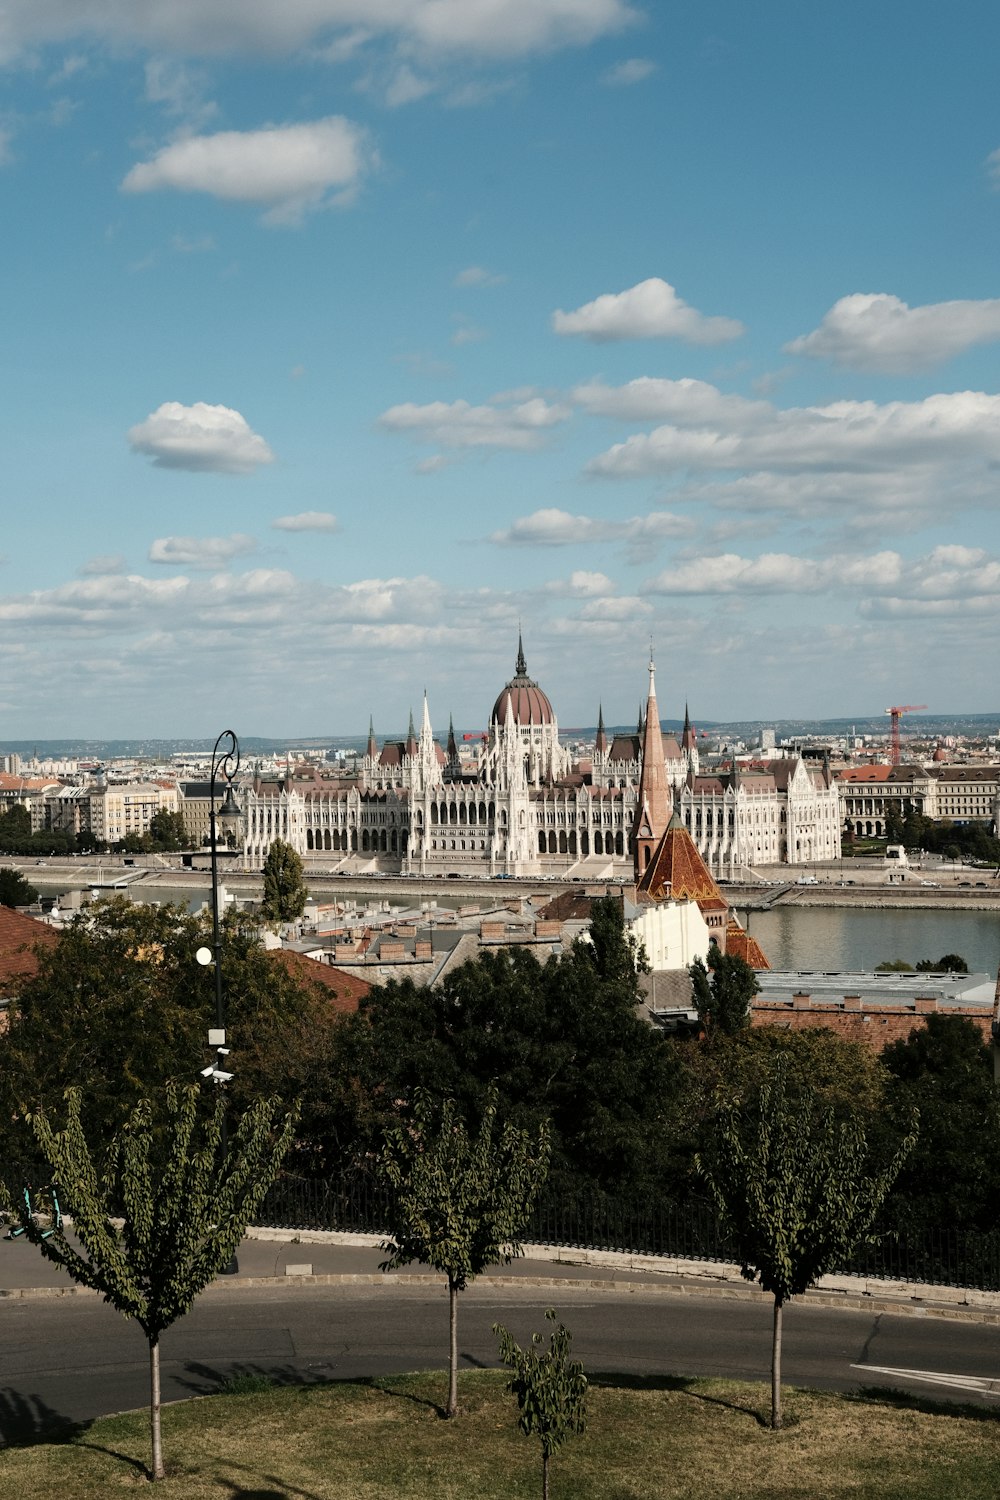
(15, 890)
(165, 1215)
(551, 1389)
(285, 892)
(459, 1200)
(797, 1188)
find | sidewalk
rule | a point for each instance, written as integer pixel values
(273, 1257)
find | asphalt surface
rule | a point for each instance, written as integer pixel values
(67, 1359)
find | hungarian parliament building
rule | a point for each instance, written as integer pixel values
(519, 805)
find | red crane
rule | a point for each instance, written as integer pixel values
(894, 713)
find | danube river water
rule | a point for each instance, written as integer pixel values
(823, 939)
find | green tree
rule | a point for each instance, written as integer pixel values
(164, 1215)
(167, 832)
(15, 890)
(551, 1389)
(944, 1069)
(561, 1043)
(15, 830)
(119, 1007)
(459, 1201)
(894, 966)
(797, 1188)
(722, 993)
(948, 963)
(285, 892)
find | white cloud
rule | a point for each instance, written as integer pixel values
(686, 402)
(478, 276)
(290, 168)
(558, 528)
(621, 609)
(947, 575)
(466, 332)
(406, 87)
(202, 438)
(851, 437)
(649, 310)
(179, 89)
(520, 426)
(307, 520)
(632, 70)
(488, 29)
(876, 331)
(206, 552)
(590, 585)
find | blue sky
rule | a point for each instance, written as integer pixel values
(340, 336)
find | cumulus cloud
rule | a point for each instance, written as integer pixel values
(307, 520)
(846, 436)
(437, 28)
(876, 331)
(686, 402)
(201, 438)
(552, 527)
(649, 310)
(632, 70)
(519, 425)
(622, 609)
(201, 551)
(950, 574)
(289, 168)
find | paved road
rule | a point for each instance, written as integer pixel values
(70, 1360)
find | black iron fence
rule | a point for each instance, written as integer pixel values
(682, 1231)
(357, 1203)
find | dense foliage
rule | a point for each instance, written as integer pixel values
(16, 889)
(285, 893)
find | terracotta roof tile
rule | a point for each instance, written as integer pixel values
(346, 990)
(19, 936)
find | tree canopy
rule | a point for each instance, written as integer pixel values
(119, 1007)
(15, 888)
(285, 892)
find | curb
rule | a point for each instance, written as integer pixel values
(845, 1302)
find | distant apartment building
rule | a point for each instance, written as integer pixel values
(28, 792)
(109, 813)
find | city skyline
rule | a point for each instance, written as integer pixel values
(343, 340)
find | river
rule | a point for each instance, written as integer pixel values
(823, 939)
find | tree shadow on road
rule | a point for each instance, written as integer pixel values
(888, 1395)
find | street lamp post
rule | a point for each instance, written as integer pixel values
(225, 761)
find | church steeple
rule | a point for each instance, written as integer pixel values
(411, 737)
(655, 800)
(372, 750)
(452, 743)
(601, 744)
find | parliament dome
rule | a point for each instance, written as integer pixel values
(529, 704)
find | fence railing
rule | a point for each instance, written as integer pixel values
(682, 1231)
(357, 1203)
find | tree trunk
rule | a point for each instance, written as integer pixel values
(776, 1366)
(452, 1407)
(154, 1409)
(545, 1474)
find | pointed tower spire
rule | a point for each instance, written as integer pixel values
(655, 799)
(601, 745)
(411, 737)
(452, 743)
(688, 737)
(372, 750)
(520, 666)
(425, 723)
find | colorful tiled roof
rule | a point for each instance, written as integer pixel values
(742, 945)
(677, 872)
(346, 991)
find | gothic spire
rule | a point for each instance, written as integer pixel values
(521, 666)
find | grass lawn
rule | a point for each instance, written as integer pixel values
(646, 1440)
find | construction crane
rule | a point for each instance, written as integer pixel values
(894, 713)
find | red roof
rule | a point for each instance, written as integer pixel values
(19, 935)
(346, 990)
